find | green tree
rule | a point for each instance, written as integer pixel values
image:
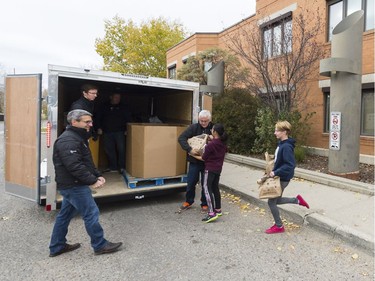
(44, 104)
(2, 100)
(129, 48)
(197, 66)
(2, 89)
(265, 126)
(237, 110)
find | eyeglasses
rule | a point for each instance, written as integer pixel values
(204, 121)
(93, 93)
(87, 122)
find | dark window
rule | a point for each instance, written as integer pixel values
(172, 73)
(277, 37)
(367, 112)
(327, 112)
(339, 9)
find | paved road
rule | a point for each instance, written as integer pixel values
(162, 245)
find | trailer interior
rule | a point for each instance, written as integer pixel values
(171, 106)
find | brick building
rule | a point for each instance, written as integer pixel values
(270, 17)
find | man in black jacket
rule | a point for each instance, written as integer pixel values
(86, 101)
(196, 167)
(112, 120)
(75, 173)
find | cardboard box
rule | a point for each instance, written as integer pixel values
(152, 150)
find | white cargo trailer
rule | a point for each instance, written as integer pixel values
(29, 171)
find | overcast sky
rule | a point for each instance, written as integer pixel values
(36, 33)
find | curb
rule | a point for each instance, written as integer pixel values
(344, 232)
(322, 178)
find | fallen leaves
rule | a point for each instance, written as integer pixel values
(247, 208)
(355, 256)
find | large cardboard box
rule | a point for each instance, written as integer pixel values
(152, 150)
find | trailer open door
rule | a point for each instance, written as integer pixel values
(23, 95)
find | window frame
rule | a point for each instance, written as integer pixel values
(327, 109)
(365, 91)
(281, 22)
(173, 68)
(345, 14)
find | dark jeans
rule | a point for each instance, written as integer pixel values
(195, 170)
(272, 203)
(77, 200)
(114, 147)
(212, 192)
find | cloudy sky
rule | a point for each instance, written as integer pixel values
(36, 33)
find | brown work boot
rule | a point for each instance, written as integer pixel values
(67, 248)
(109, 248)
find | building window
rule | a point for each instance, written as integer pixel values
(369, 20)
(277, 38)
(367, 112)
(172, 73)
(327, 112)
(339, 9)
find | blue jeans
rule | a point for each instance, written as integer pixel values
(114, 147)
(77, 200)
(195, 170)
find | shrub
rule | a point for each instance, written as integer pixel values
(299, 153)
(265, 127)
(236, 109)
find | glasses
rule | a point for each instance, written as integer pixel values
(87, 122)
(92, 93)
(204, 121)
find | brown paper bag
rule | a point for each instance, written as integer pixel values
(270, 188)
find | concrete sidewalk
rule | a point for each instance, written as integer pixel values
(341, 207)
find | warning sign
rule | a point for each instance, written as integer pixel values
(335, 124)
(334, 140)
(334, 133)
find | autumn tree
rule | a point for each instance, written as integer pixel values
(2, 100)
(2, 89)
(196, 67)
(138, 49)
(282, 57)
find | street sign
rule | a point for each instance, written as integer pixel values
(335, 121)
(334, 140)
(334, 133)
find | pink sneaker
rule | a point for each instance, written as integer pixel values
(275, 229)
(302, 202)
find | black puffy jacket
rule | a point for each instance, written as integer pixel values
(193, 130)
(72, 159)
(83, 103)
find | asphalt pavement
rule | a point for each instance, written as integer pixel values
(340, 207)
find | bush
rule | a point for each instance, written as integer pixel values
(236, 109)
(299, 153)
(265, 127)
